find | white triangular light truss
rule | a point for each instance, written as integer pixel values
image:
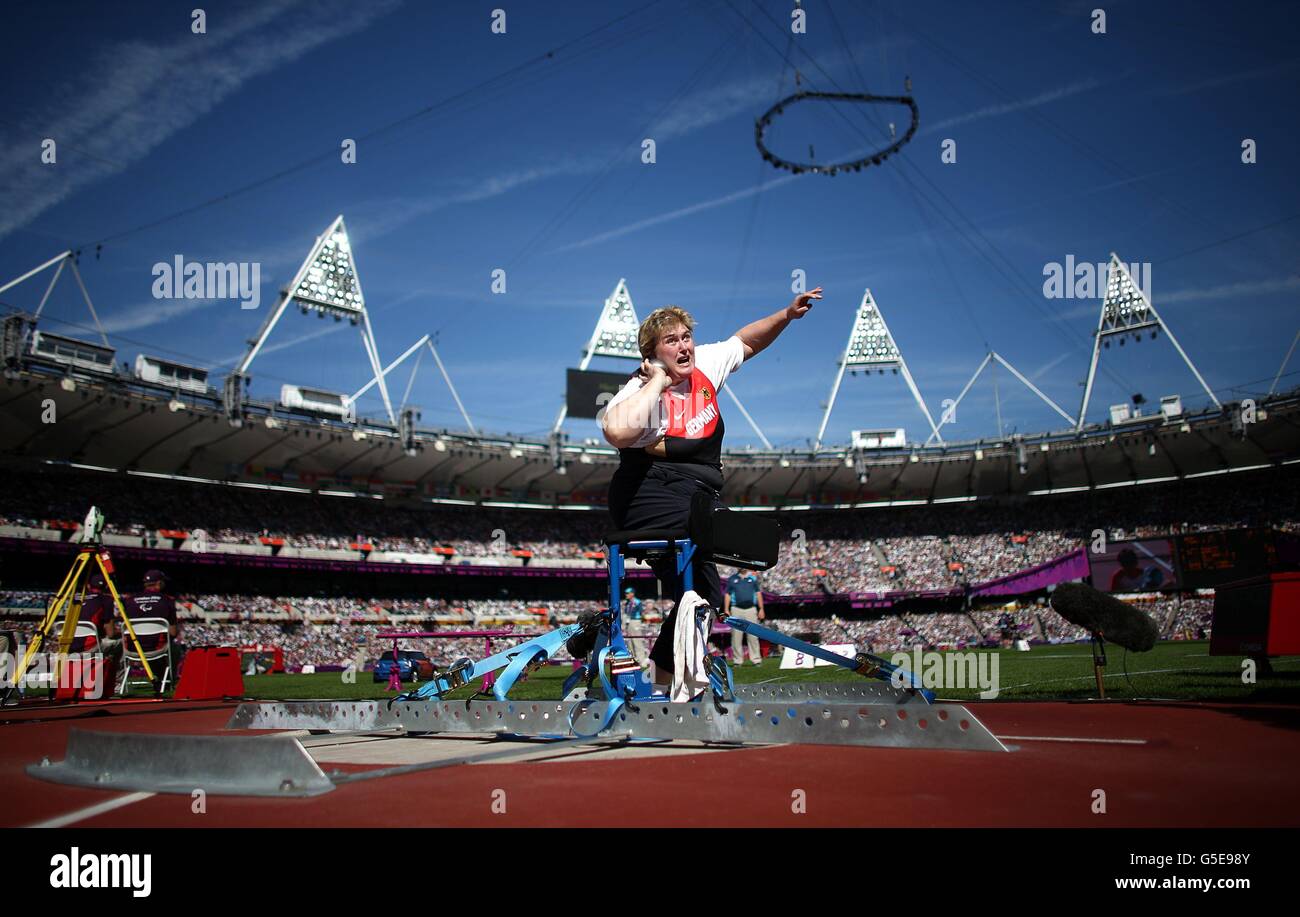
(616, 332)
(327, 283)
(63, 260)
(615, 335)
(870, 343)
(1127, 309)
(871, 346)
(950, 412)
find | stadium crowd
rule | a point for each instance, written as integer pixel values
(876, 550)
(336, 636)
(463, 613)
(869, 550)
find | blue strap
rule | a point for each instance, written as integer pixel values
(573, 680)
(548, 643)
(887, 669)
(614, 704)
(723, 690)
(600, 670)
(613, 699)
(506, 680)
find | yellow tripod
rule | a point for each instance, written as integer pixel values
(70, 597)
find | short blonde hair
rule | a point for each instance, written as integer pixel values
(656, 323)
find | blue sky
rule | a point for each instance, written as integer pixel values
(1069, 143)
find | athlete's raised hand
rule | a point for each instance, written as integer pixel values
(802, 303)
(652, 369)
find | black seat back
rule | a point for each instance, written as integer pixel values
(738, 539)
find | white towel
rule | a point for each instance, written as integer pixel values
(690, 643)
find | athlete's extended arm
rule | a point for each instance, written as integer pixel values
(756, 336)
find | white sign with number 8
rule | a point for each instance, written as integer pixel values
(793, 659)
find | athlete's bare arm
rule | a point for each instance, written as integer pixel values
(756, 336)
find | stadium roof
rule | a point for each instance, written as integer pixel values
(117, 424)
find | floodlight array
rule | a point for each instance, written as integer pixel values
(870, 343)
(617, 336)
(330, 282)
(1125, 305)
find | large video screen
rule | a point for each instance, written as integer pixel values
(1208, 559)
(585, 388)
(1145, 565)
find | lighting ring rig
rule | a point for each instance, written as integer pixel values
(856, 165)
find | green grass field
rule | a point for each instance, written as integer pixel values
(1171, 671)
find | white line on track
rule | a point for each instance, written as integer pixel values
(1200, 671)
(91, 811)
(1030, 684)
(1075, 739)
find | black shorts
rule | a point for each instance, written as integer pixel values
(659, 498)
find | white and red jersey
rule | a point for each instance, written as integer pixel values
(689, 415)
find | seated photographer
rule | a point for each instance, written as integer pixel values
(100, 610)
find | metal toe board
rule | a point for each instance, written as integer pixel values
(217, 765)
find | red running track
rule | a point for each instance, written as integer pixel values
(1200, 765)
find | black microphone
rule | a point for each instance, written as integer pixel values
(1098, 613)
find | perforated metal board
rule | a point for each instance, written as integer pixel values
(842, 692)
(882, 722)
(889, 725)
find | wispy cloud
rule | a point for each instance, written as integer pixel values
(675, 214)
(711, 203)
(1091, 308)
(1226, 79)
(331, 328)
(1232, 290)
(369, 221)
(752, 95)
(135, 95)
(745, 96)
(1006, 108)
(1051, 365)
(157, 311)
(713, 105)
(732, 197)
(377, 218)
